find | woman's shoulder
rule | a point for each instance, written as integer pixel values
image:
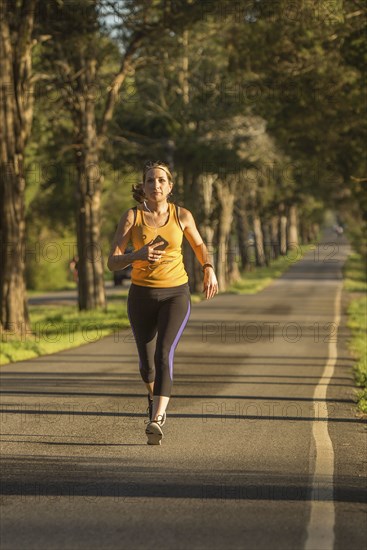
(184, 215)
(129, 216)
(182, 210)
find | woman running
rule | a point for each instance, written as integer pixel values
(159, 298)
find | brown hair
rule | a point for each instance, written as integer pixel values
(138, 189)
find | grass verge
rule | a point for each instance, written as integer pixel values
(355, 282)
(56, 328)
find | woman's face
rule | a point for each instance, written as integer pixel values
(156, 185)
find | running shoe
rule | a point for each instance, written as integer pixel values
(154, 431)
(150, 411)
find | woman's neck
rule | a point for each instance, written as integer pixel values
(156, 208)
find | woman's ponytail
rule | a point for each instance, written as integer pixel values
(138, 192)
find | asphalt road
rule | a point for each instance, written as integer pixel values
(70, 297)
(262, 448)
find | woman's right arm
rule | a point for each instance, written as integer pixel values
(117, 259)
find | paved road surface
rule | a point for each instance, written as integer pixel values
(262, 449)
(70, 297)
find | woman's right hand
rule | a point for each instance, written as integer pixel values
(149, 252)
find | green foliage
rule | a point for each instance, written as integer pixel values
(355, 274)
(48, 257)
(302, 71)
(357, 312)
(116, 199)
(50, 204)
(355, 280)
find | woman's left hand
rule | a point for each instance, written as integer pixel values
(210, 283)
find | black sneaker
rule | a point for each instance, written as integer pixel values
(154, 431)
(150, 411)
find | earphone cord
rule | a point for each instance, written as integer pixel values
(149, 210)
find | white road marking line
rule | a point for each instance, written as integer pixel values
(320, 529)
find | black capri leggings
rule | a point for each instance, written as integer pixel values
(161, 312)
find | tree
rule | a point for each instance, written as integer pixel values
(301, 68)
(90, 82)
(80, 51)
(16, 113)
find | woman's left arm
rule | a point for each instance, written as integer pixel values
(193, 236)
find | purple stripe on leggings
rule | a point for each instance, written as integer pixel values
(175, 342)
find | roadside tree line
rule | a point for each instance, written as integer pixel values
(258, 111)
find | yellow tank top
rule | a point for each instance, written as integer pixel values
(170, 270)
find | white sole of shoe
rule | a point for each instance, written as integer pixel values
(154, 433)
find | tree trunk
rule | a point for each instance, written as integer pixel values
(259, 241)
(226, 201)
(267, 243)
(274, 236)
(314, 230)
(283, 234)
(207, 227)
(304, 230)
(292, 227)
(242, 226)
(90, 262)
(191, 265)
(16, 112)
(183, 76)
(233, 260)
